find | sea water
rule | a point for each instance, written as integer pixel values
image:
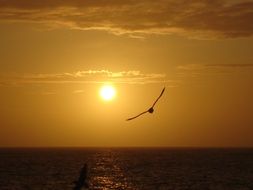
(127, 168)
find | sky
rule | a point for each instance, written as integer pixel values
(56, 56)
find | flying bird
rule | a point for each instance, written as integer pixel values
(150, 110)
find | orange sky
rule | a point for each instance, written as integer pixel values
(56, 55)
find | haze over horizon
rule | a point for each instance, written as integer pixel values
(56, 56)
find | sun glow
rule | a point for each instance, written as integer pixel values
(107, 92)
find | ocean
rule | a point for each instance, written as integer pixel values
(127, 168)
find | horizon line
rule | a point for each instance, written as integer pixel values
(126, 147)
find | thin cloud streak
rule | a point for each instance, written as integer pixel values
(230, 65)
(90, 76)
(195, 19)
(192, 67)
(196, 70)
(78, 91)
(48, 93)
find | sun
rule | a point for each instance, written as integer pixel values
(107, 92)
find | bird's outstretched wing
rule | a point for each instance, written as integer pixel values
(158, 97)
(149, 108)
(136, 116)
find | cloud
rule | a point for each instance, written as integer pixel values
(196, 70)
(197, 67)
(78, 91)
(192, 18)
(230, 65)
(48, 93)
(89, 76)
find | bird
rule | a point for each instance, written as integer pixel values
(150, 110)
(82, 180)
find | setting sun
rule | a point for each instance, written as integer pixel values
(107, 92)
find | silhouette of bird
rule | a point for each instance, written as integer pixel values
(150, 110)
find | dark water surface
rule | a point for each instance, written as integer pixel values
(127, 168)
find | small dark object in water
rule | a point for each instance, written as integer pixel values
(82, 180)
